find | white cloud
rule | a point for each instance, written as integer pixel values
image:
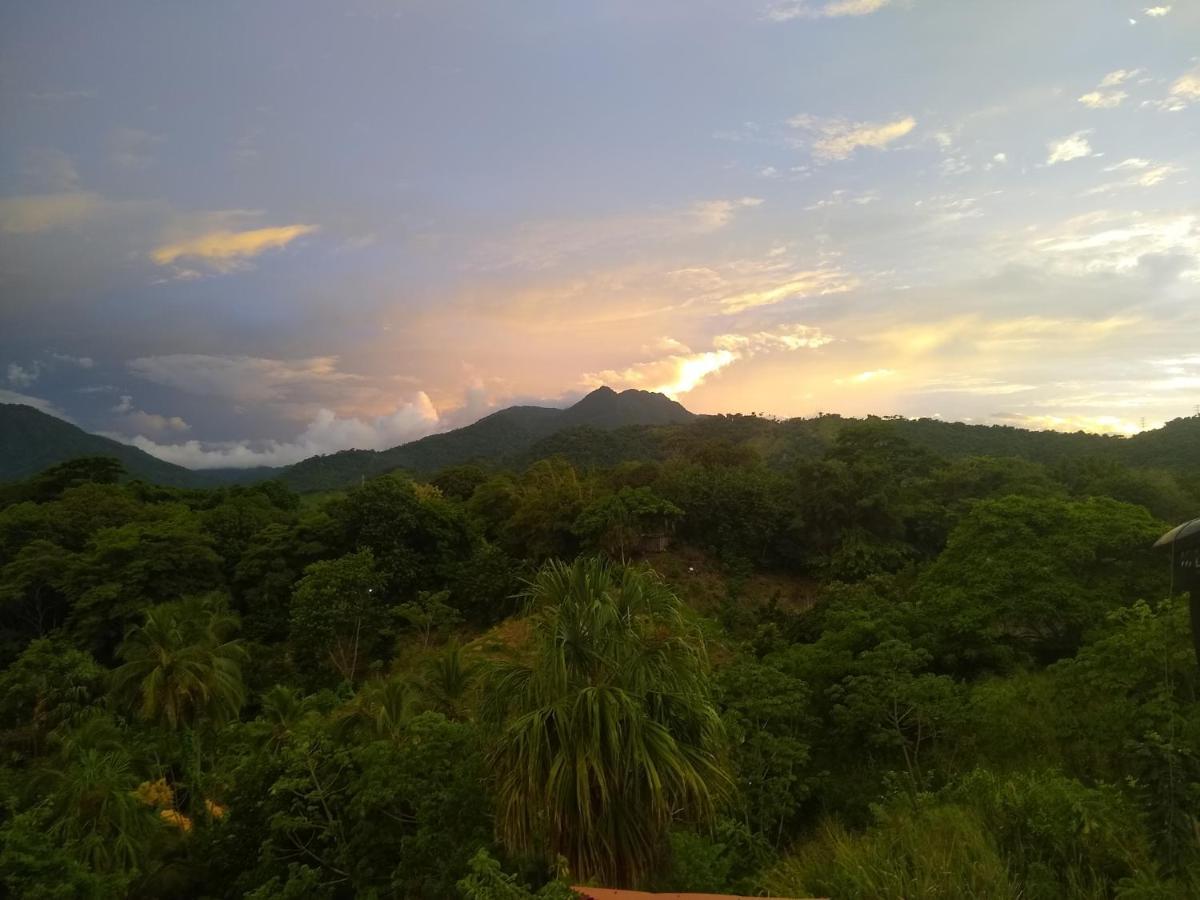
(786, 337)
(1118, 76)
(1144, 176)
(816, 282)
(1133, 162)
(152, 425)
(1103, 99)
(838, 139)
(326, 433)
(678, 373)
(1156, 12)
(1186, 88)
(83, 362)
(124, 405)
(1073, 146)
(713, 214)
(787, 10)
(37, 403)
(1119, 242)
(22, 376)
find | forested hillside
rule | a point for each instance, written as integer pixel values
(31, 440)
(812, 658)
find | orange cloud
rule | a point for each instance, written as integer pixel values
(224, 249)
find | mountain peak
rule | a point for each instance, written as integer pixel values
(606, 408)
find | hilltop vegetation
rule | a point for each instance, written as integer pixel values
(871, 661)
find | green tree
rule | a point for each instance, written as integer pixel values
(182, 666)
(614, 523)
(338, 619)
(1034, 574)
(609, 733)
(50, 686)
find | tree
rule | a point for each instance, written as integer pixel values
(418, 539)
(608, 734)
(1034, 574)
(182, 665)
(51, 685)
(429, 614)
(614, 523)
(766, 713)
(337, 617)
(126, 569)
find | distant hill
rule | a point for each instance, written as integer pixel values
(1175, 446)
(493, 439)
(31, 441)
(604, 428)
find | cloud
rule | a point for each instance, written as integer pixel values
(62, 96)
(713, 214)
(146, 424)
(19, 376)
(37, 213)
(864, 377)
(1113, 241)
(132, 148)
(325, 433)
(1156, 12)
(1103, 99)
(816, 282)
(36, 402)
(1118, 76)
(838, 138)
(679, 373)
(1093, 424)
(971, 384)
(803, 9)
(549, 243)
(225, 250)
(49, 169)
(1186, 88)
(786, 337)
(245, 380)
(83, 362)
(1144, 175)
(1131, 163)
(1073, 146)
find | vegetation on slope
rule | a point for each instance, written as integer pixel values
(867, 669)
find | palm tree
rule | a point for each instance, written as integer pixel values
(447, 681)
(182, 664)
(93, 806)
(283, 711)
(380, 709)
(608, 733)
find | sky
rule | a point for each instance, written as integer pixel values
(241, 233)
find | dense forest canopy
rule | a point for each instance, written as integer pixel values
(817, 658)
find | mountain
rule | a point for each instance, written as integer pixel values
(494, 439)
(31, 440)
(604, 428)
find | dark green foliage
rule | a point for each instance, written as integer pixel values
(940, 662)
(1034, 575)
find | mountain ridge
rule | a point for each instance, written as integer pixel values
(603, 428)
(31, 440)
